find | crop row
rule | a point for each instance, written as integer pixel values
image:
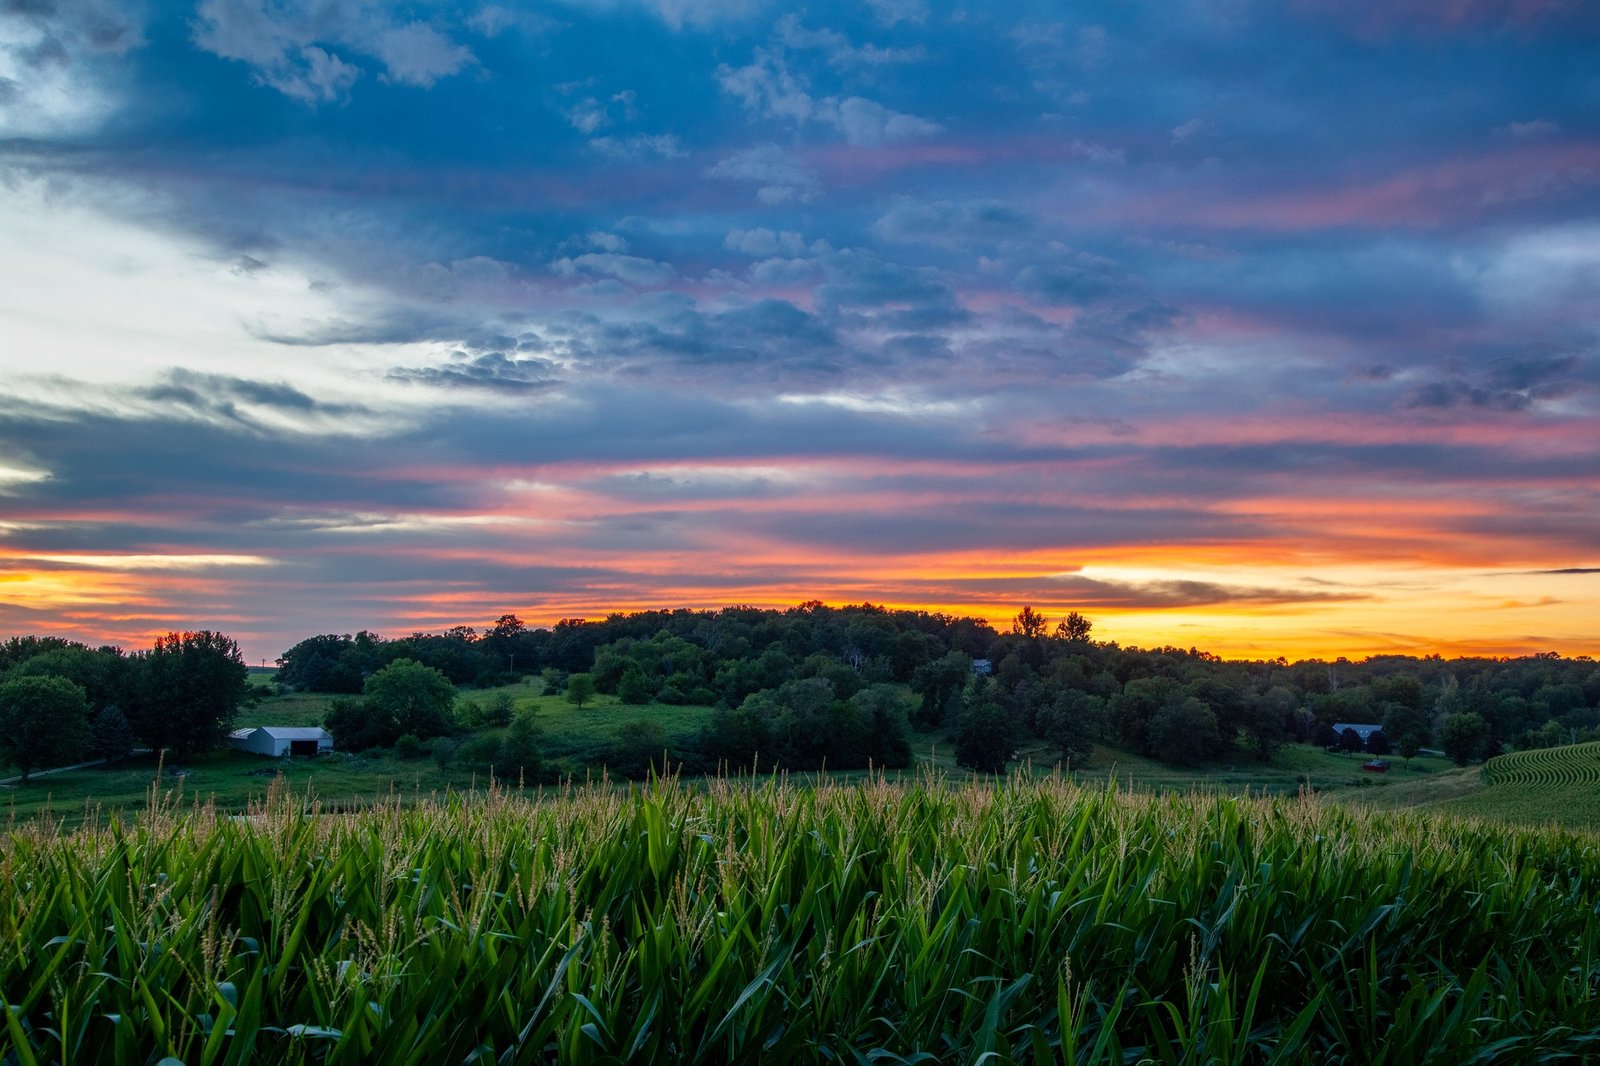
(1034, 921)
(1572, 764)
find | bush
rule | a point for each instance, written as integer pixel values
(407, 746)
(637, 748)
(634, 688)
(481, 752)
(444, 751)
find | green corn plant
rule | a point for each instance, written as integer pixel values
(783, 921)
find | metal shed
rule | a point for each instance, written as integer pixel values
(279, 740)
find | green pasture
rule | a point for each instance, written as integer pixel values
(575, 742)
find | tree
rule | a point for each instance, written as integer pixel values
(811, 727)
(1463, 737)
(1408, 728)
(1029, 623)
(635, 687)
(937, 682)
(113, 736)
(733, 739)
(1184, 731)
(986, 735)
(410, 698)
(1071, 722)
(44, 721)
(1136, 706)
(638, 748)
(101, 674)
(520, 753)
(1266, 720)
(580, 689)
(1074, 628)
(507, 627)
(186, 692)
(882, 709)
(325, 663)
(357, 727)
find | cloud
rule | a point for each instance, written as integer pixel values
(839, 50)
(1513, 383)
(418, 54)
(490, 371)
(1533, 129)
(764, 242)
(290, 45)
(943, 222)
(492, 20)
(633, 269)
(587, 116)
(53, 59)
(782, 178)
(638, 146)
(769, 88)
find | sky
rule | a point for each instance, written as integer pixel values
(1268, 328)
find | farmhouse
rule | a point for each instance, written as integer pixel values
(1364, 730)
(282, 740)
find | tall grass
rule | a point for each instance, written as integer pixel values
(1031, 921)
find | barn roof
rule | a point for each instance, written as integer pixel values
(288, 732)
(1362, 728)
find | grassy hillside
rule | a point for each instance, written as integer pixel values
(575, 743)
(1548, 786)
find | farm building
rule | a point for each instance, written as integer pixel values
(1364, 730)
(282, 740)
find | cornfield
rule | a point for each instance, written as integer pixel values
(1570, 764)
(1030, 921)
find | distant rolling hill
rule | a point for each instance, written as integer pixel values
(1544, 785)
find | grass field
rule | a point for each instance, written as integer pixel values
(936, 922)
(575, 742)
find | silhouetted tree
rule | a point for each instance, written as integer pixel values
(186, 691)
(1074, 628)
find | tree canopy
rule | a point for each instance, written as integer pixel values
(44, 722)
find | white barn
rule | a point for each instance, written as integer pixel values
(283, 740)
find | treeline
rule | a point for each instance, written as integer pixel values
(815, 685)
(62, 702)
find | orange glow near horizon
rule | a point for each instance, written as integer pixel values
(1273, 612)
(1319, 569)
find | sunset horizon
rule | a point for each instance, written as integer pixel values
(1266, 330)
